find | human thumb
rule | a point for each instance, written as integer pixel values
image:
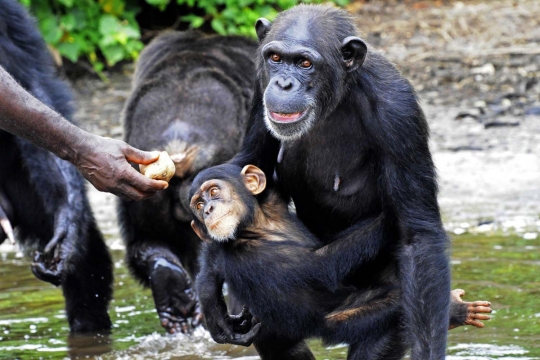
(140, 157)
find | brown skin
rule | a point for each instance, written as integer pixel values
(476, 310)
(102, 161)
(226, 201)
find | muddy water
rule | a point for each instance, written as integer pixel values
(502, 269)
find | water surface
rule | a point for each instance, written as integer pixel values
(502, 269)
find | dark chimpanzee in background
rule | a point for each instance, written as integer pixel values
(44, 197)
(191, 97)
(285, 275)
(347, 140)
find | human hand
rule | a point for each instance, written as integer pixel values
(105, 163)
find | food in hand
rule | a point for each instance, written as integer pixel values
(162, 169)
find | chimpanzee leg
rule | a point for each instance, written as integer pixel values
(276, 348)
(162, 254)
(51, 211)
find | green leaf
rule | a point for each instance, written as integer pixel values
(160, 4)
(68, 22)
(69, 50)
(67, 3)
(218, 26)
(108, 24)
(50, 30)
(113, 54)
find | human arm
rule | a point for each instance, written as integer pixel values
(102, 161)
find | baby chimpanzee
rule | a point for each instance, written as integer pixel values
(272, 264)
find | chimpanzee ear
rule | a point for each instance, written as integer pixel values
(254, 179)
(353, 50)
(200, 232)
(262, 27)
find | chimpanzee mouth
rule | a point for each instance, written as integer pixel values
(287, 117)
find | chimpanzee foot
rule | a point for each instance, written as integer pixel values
(467, 313)
(49, 271)
(175, 300)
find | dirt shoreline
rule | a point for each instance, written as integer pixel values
(476, 67)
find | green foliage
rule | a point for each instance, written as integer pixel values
(106, 32)
(88, 28)
(236, 16)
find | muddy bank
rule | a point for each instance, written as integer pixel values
(476, 67)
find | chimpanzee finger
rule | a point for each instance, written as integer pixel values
(246, 339)
(476, 323)
(477, 304)
(481, 317)
(51, 276)
(60, 231)
(482, 309)
(224, 326)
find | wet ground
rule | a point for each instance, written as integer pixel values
(476, 66)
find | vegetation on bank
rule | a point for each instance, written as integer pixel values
(104, 32)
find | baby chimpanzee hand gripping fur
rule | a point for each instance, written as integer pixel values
(274, 265)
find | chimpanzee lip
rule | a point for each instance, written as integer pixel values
(215, 223)
(286, 118)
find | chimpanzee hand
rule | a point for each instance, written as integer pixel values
(48, 270)
(104, 162)
(239, 329)
(174, 298)
(467, 313)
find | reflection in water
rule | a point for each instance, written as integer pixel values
(85, 345)
(501, 269)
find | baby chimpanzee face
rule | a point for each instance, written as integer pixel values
(225, 202)
(219, 207)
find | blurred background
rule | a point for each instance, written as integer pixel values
(476, 68)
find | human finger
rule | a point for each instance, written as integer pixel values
(139, 156)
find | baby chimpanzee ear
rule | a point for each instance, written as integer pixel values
(200, 232)
(254, 179)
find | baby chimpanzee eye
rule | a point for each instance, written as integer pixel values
(199, 205)
(214, 191)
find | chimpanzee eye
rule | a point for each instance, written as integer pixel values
(214, 191)
(275, 57)
(305, 63)
(199, 205)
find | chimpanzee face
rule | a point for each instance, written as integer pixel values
(219, 208)
(224, 207)
(304, 72)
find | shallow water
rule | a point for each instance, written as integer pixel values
(504, 270)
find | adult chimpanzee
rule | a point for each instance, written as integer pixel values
(348, 141)
(44, 197)
(191, 97)
(285, 275)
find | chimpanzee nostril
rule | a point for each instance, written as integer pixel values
(285, 84)
(209, 209)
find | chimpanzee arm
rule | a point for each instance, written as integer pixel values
(210, 289)
(350, 249)
(423, 262)
(399, 133)
(259, 147)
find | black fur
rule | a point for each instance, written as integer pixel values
(365, 155)
(190, 91)
(278, 276)
(43, 193)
